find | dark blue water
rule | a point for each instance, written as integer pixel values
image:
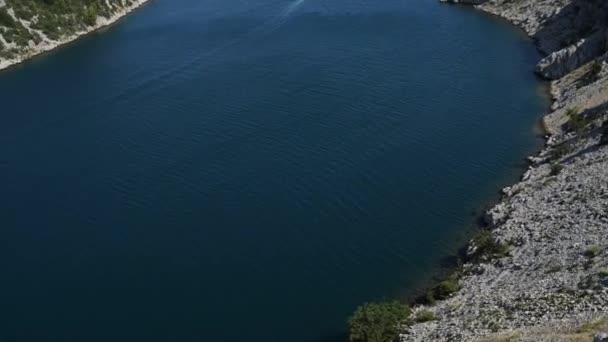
(230, 170)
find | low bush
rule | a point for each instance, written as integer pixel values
(556, 169)
(593, 251)
(424, 316)
(604, 138)
(377, 322)
(6, 20)
(576, 122)
(595, 69)
(443, 290)
(561, 150)
(488, 247)
(446, 288)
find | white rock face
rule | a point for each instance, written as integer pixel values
(570, 32)
(561, 62)
(555, 278)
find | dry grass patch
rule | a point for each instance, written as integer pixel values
(583, 333)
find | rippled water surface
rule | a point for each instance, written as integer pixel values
(231, 170)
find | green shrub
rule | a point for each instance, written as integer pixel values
(576, 122)
(593, 251)
(91, 15)
(604, 138)
(446, 288)
(556, 169)
(6, 20)
(488, 247)
(56, 18)
(424, 316)
(443, 290)
(377, 322)
(561, 150)
(595, 69)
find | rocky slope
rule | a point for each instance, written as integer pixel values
(30, 27)
(553, 283)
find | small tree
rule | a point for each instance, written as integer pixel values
(487, 247)
(595, 70)
(576, 122)
(446, 288)
(604, 138)
(377, 322)
(556, 169)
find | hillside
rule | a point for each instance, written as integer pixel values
(29, 27)
(550, 280)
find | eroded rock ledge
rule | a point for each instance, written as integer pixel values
(553, 284)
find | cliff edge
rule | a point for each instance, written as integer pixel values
(542, 275)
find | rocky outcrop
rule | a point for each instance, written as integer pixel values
(561, 62)
(603, 337)
(570, 32)
(553, 283)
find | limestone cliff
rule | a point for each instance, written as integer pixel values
(552, 285)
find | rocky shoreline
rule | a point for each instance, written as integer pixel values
(550, 281)
(47, 44)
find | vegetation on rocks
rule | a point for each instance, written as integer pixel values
(556, 169)
(561, 150)
(424, 316)
(604, 138)
(446, 288)
(485, 246)
(26, 24)
(576, 122)
(377, 322)
(593, 251)
(56, 18)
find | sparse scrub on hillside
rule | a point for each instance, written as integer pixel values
(561, 150)
(487, 247)
(604, 137)
(377, 322)
(556, 169)
(6, 20)
(576, 122)
(424, 316)
(54, 18)
(593, 251)
(595, 69)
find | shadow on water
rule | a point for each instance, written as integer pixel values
(343, 337)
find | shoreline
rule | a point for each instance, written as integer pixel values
(548, 283)
(51, 45)
(476, 223)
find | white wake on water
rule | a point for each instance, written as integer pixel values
(278, 21)
(261, 30)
